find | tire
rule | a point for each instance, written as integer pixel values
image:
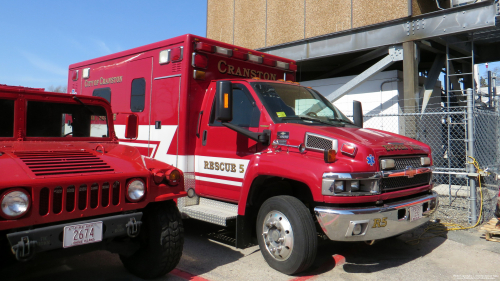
(286, 234)
(161, 241)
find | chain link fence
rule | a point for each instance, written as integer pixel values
(445, 131)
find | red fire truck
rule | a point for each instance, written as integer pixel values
(259, 152)
(67, 184)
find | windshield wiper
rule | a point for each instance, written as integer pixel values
(305, 118)
(338, 119)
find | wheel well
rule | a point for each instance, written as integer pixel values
(265, 187)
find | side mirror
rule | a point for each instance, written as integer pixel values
(357, 113)
(132, 126)
(224, 101)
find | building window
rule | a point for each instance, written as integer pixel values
(138, 95)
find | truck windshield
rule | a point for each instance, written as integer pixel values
(49, 119)
(295, 104)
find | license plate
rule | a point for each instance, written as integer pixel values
(415, 212)
(81, 234)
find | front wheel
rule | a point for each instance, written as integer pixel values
(286, 234)
(161, 240)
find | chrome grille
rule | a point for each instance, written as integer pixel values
(317, 142)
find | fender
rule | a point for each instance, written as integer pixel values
(266, 164)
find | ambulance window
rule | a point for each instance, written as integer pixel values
(138, 95)
(245, 112)
(6, 118)
(103, 93)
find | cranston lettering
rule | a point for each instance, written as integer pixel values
(103, 81)
(243, 72)
(224, 167)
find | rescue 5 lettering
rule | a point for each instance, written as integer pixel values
(221, 166)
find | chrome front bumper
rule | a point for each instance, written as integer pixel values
(371, 223)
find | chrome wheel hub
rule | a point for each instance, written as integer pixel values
(278, 235)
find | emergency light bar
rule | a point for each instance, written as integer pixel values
(254, 58)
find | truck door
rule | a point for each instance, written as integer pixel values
(222, 155)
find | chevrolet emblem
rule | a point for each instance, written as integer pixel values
(410, 172)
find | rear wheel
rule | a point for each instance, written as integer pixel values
(286, 234)
(161, 241)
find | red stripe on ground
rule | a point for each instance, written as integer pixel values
(337, 260)
(186, 275)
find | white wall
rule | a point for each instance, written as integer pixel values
(375, 100)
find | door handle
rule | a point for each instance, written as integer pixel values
(204, 139)
(198, 125)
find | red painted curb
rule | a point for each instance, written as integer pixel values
(338, 260)
(186, 275)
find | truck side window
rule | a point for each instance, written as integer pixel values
(138, 95)
(6, 118)
(245, 112)
(103, 93)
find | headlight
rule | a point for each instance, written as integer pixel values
(15, 204)
(136, 189)
(347, 184)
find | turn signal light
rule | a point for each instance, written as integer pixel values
(330, 155)
(349, 149)
(174, 177)
(199, 75)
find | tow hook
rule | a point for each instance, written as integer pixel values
(24, 249)
(133, 227)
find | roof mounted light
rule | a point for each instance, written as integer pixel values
(200, 46)
(165, 56)
(254, 58)
(283, 65)
(240, 55)
(86, 73)
(292, 67)
(269, 62)
(223, 51)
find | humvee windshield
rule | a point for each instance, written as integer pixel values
(49, 119)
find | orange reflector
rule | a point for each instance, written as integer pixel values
(330, 156)
(198, 74)
(226, 100)
(256, 78)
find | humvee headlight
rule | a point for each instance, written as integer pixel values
(136, 189)
(15, 203)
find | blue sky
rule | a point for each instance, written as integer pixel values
(40, 39)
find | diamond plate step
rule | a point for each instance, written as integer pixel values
(211, 211)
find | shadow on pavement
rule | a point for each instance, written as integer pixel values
(383, 254)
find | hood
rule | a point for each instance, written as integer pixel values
(380, 142)
(43, 160)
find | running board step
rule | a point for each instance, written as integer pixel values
(209, 210)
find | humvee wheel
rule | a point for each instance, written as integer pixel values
(161, 240)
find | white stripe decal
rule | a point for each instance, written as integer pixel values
(235, 183)
(163, 135)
